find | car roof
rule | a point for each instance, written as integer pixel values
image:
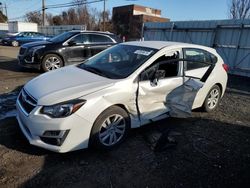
(162, 44)
(95, 32)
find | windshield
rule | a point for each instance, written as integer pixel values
(119, 61)
(62, 37)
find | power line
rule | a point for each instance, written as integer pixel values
(61, 5)
(24, 16)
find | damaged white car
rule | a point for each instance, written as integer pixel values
(126, 86)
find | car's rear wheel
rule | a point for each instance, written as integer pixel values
(51, 62)
(213, 98)
(110, 128)
(15, 43)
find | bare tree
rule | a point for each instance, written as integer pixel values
(240, 9)
(80, 14)
(34, 17)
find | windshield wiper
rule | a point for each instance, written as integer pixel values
(94, 70)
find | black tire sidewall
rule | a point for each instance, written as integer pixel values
(48, 56)
(205, 105)
(94, 136)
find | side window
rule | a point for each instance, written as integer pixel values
(37, 34)
(33, 34)
(81, 39)
(165, 65)
(196, 58)
(24, 34)
(99, 39)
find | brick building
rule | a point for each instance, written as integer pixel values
(128, 20)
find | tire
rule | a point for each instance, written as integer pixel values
(213, 99)
(107, 133)
(51, 62)
(15, 43)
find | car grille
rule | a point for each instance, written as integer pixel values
(27, 102)
(22, 50)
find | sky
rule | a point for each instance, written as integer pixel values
(176, 10)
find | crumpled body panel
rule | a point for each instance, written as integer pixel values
(181, 99)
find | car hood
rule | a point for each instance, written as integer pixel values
(38, 43)
(65, 84)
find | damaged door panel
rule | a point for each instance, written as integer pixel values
(155, 83)
(180, 100)
(169, 87)
(152, 98)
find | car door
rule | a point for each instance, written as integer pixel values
(37, 36)
(23, 37)
(99, 43)
(77, 49)
(197, 64)
(194, 66)
(28, 37)
(153, 90)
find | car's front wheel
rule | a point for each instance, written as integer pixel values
(15, 43)
(213, 98)
(51, 62)
(110, 128)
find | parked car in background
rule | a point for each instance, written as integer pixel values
(67, 48)
(126, 86)
(2, 35)
(23, 37)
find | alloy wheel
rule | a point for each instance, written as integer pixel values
(14, 43)
(112, 130)
(213, 98)
(52, 63)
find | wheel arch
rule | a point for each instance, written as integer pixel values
(221, 88)
(122, 106)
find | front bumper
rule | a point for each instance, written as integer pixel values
(29, 59)
(74, 130)
(6, 42)
(24, 61)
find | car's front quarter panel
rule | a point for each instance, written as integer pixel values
(122, 93)
(81, 122)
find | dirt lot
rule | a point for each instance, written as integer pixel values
(213, 150)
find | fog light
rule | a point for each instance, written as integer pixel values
(51, 133)
(54, 137)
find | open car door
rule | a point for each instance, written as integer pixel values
(165, 90)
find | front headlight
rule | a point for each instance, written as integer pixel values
(63, 109)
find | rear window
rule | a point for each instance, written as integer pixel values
(197, 58)
(99, 39)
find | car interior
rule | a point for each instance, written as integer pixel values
(165, 66)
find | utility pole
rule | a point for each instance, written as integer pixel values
(104, 7)
(6, 13)
(43, 12)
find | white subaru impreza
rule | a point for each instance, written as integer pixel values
(126, 86)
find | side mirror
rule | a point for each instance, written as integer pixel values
(159, 74)
(71, 43)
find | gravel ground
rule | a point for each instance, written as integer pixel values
(212, 150)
